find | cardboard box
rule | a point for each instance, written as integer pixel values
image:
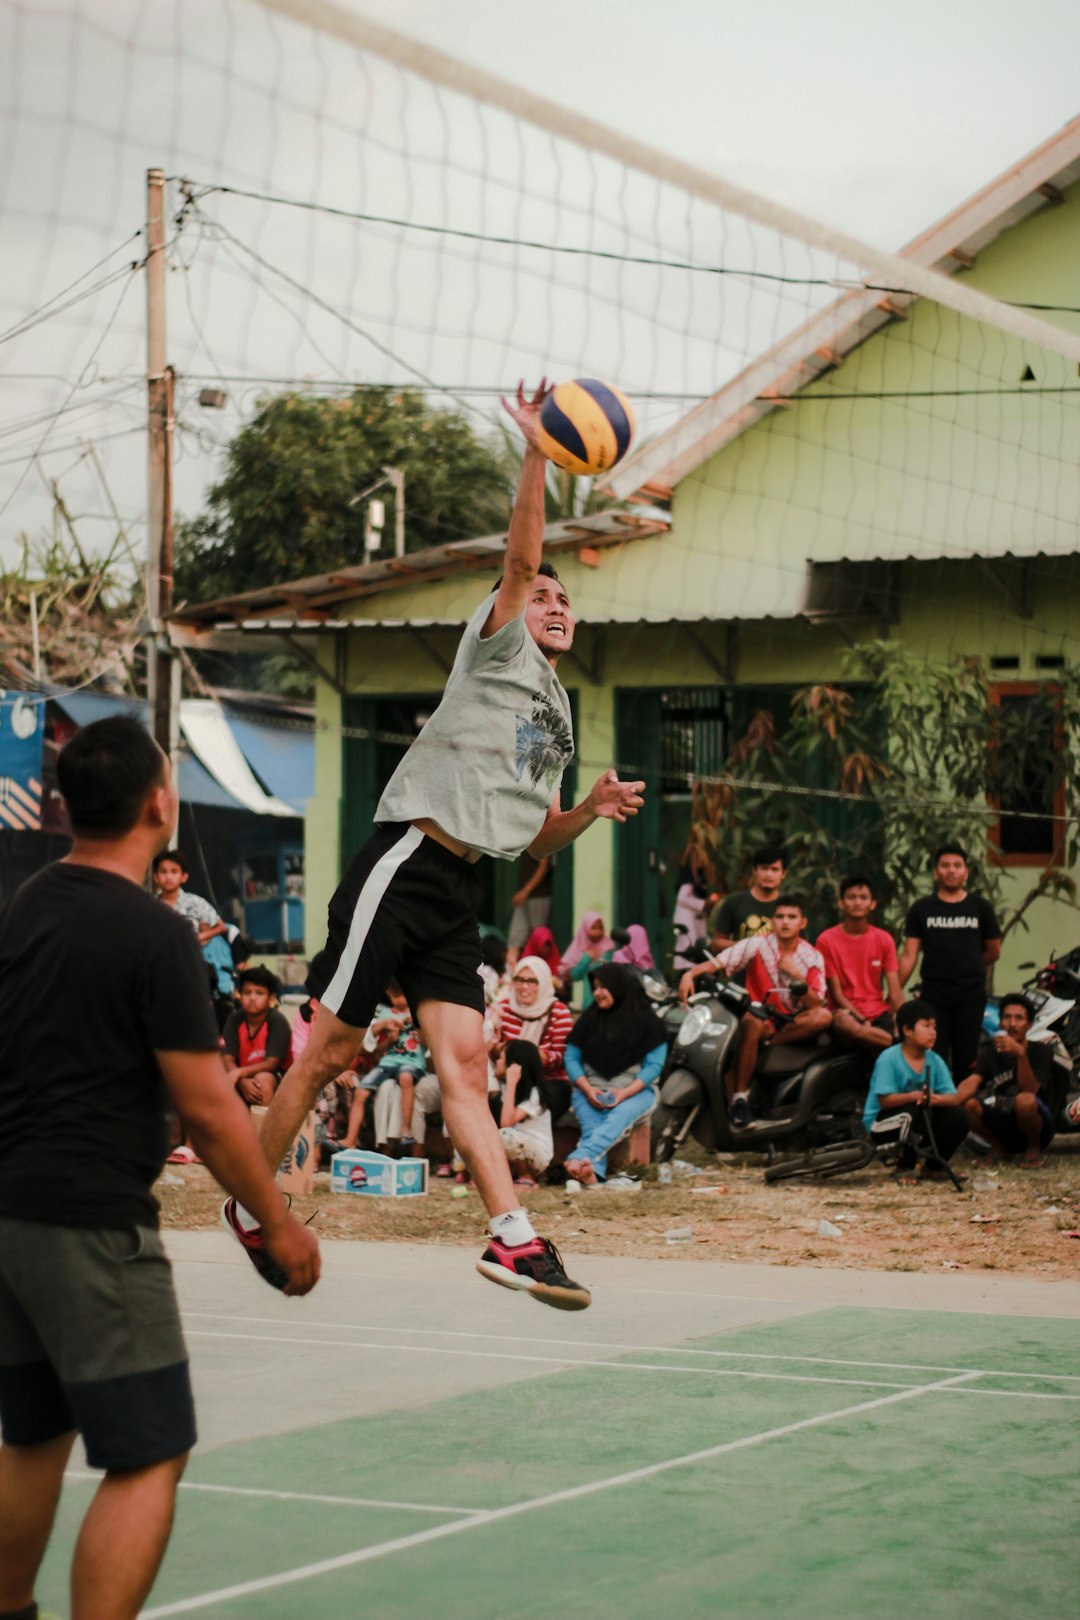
(296, 1172)
(377, 1175)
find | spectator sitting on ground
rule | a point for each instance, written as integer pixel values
(257, 1038)
(427, 1101)
(541, 942)
(1006, 1095)
(903, 1076)
(526, 1115)
(590, 945)
(773, 963)
(404, 1060)
(859, 960)
(532, 1012)
(614, 1057)
(746, 913)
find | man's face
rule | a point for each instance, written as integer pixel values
(769, 878)
(952, 871)
(923, 1032)
(1015, 1021)
(857, 902)
(255, 999)
(787, 923)
(548, 617)
(169, 877)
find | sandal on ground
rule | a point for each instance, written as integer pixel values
(525, 1181)
(444, 1172)
(1033, 1161)
(462, 1178)
(906, 1178)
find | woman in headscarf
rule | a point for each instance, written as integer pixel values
(591, 944)
(541, 942)
(532, 1012)
(526, 1111)
(637, 952)
(614, 1058)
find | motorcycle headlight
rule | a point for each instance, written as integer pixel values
(693, 1027)
(655, 989)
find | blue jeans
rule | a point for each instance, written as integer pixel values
(601, 1128)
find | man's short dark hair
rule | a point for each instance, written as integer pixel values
(545, 568)
(768, 855)
(259, 975)
(913, 1012)
(1017, 998)
(105, 774)
(176, 856)
(794, 902)
(857, 880)
(950, 849)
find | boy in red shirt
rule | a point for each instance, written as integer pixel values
(773, 962)
(256, 1039)
(861, 970)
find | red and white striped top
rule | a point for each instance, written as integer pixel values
(560, 1021)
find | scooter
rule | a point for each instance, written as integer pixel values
(1054, 992)
(807, 1097)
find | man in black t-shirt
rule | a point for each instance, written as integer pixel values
(960, 937)
(745, 913)
(1010, 1093)
(105, 1014)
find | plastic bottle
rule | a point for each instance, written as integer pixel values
(679, 1234)
(664, 1174)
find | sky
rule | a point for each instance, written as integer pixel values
(876, 120)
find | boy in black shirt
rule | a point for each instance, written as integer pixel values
(960, 937)
(1009, 1093)
(90, 1338)
(748, 912)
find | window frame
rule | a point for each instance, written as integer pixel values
(1056, 854)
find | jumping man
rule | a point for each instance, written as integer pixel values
(482, 778)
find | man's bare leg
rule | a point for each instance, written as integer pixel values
(30, 1482)
(740, 1073)
(123, 1540)
(455, 1038)
(332, 1046)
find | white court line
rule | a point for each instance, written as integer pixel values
(644, 1349)
(419, 1538)
(303, 1496)
(553, 1361)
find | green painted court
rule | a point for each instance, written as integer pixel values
(408, 1442)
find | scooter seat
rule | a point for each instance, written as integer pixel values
(776, 1062)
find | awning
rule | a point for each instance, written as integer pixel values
(282, 755)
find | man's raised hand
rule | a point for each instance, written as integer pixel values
(615, 800)
(526, 412)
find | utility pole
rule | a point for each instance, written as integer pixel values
(162, 668)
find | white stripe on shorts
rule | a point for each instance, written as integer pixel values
(375, 886)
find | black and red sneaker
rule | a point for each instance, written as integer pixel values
(254, 1247)
(536, 1268)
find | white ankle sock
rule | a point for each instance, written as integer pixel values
(513, 1227)
(245, 1219)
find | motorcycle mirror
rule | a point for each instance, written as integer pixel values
(1025, 967)
(798, 988)
(620, 936)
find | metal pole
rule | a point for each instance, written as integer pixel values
(161, 688)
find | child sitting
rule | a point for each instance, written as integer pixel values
(403, 1059)
(525, 1119)
(257, 1038)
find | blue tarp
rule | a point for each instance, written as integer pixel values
(282, 756)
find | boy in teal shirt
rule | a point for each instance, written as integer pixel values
(912, 1078)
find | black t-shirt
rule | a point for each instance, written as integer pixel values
(276, 1030)
(741, 916)
(998, 1072)
(94, 977)
(952, 935)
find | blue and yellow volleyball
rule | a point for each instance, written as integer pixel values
(585, 426)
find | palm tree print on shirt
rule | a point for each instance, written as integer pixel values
(545, 743)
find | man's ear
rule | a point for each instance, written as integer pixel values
(158, 807)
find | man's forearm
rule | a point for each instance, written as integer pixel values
(561, 829)
(525, 536)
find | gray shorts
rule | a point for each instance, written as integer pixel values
(90, 1339)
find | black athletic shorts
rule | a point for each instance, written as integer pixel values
(406, 909)
(90, 1339)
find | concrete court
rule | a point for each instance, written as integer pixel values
(394, 1325)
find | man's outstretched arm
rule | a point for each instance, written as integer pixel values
(610, 799)
(525, 537)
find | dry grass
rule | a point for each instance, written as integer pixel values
(1018, 1223)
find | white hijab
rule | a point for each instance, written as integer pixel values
(534, 1017)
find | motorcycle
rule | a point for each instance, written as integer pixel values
(1054, 992)
(807, 1097)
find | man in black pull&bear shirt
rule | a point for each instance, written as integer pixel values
(960, 937)
(105, 1013)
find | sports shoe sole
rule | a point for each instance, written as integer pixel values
(562, 1299)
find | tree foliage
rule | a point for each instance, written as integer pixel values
(871, 775)
(283, 507)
